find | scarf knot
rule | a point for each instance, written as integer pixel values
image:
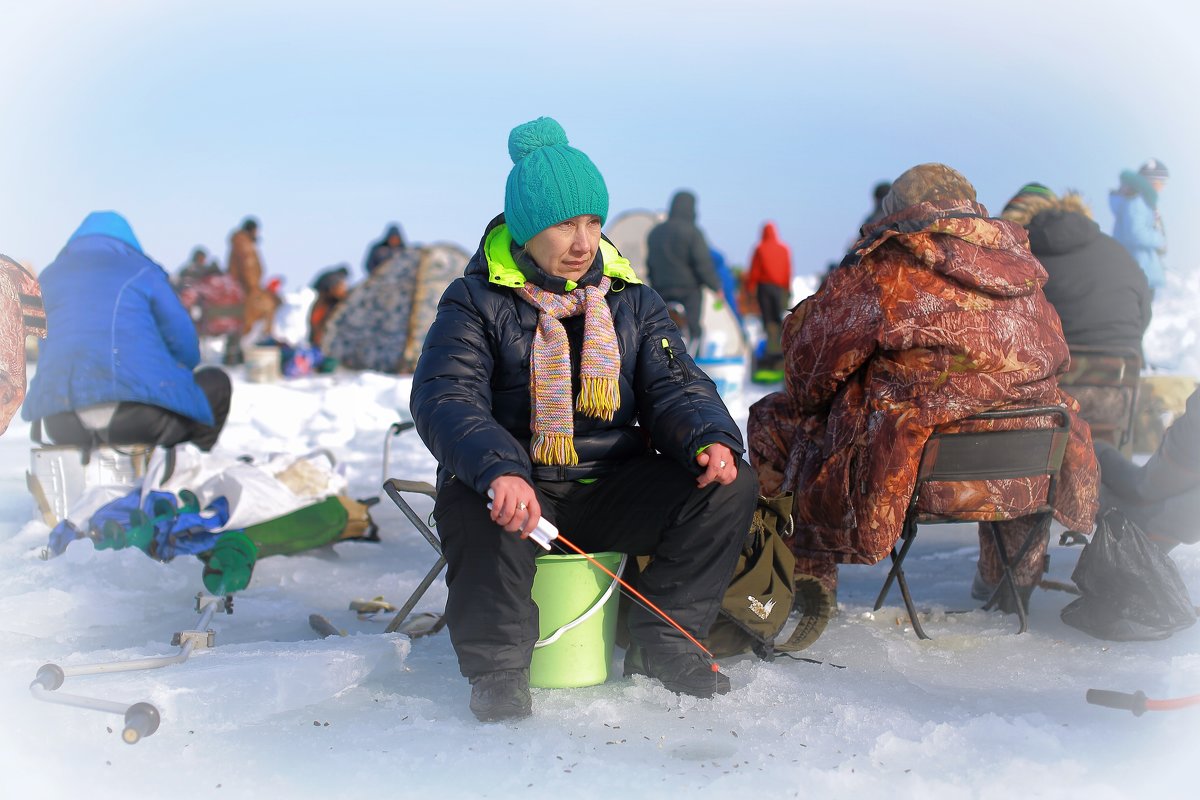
(552, 422)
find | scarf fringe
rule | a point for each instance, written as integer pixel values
(555, 449)
(599, 398)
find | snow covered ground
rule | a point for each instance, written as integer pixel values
(274, 711)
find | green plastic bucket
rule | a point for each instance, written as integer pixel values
(577, 609)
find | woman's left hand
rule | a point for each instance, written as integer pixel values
(720, 465)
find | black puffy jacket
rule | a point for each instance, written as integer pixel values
(1099, 291)
(470, 394)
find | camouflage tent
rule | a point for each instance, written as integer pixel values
(381, 325)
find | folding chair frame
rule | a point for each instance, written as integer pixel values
(979, 455)
(395, 489)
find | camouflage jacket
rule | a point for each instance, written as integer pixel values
(21, 314)
(936, 314)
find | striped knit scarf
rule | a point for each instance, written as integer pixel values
(550, 368)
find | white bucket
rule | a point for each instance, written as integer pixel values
(58, 473)
(729, 374)
(262, 365)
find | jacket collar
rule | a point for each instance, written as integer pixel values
(507, 268)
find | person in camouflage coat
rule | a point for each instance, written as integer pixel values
(937, 313)
(21, 315)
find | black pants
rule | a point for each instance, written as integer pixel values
(772, 302)
(139, 423)
(650, 507)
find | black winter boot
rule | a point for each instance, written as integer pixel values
(682, 673)
(501, 695)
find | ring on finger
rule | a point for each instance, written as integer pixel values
(721, 465)
(521, 506)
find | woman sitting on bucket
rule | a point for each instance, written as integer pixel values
(554, 379)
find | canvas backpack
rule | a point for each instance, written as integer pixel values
(759, 599)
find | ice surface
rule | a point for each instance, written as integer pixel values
(272, 711)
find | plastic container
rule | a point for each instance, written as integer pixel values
(263, 365)
(577, 605)
(729, 374)
(58, 472)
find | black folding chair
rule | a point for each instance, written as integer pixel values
(957, 456)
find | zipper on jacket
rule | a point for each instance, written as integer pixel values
(676, 369)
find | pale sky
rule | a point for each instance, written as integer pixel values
(327, 121)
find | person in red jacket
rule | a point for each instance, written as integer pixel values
(770, 279)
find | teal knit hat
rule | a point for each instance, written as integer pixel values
(550, 181)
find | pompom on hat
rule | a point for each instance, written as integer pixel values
(550, 181)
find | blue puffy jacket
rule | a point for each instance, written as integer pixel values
(117, 331)
(1136, 225)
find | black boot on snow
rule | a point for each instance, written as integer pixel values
(682, 673)
(501, 695)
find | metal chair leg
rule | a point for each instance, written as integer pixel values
(393, 488)
(908, 603)
(1008, 578)
(416, 596)
(897, 561)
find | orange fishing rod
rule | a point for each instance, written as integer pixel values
(637, 596)
(545, 532)
(1137, 703)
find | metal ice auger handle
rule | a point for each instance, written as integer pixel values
(141, 719)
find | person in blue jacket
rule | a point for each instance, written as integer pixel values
(119, 335)
(1136, 221)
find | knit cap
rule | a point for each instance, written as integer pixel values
(1154, 170)
(1029, 201)
(550, 181)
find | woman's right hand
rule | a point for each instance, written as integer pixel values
(514, 505)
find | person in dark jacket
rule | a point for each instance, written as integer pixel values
(553, 381)
(1099, 291)
(679, 263)
(120, 339)
(391, 245)
(878, 192)
(1162, 497)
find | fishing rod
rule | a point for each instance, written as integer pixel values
(1137, 703)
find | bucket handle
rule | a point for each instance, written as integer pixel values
(582, 618)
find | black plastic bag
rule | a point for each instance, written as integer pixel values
(1131, 590)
